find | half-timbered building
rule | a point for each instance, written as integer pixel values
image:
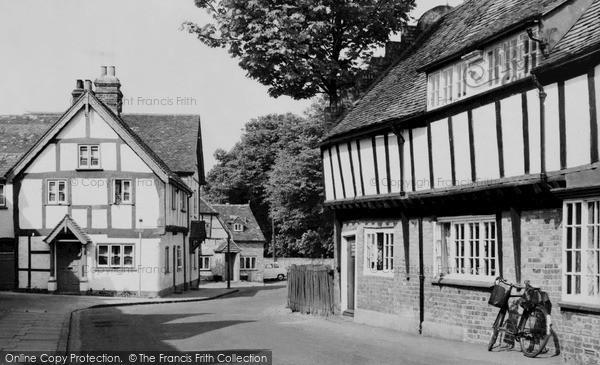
(99, 201)
(474, 156)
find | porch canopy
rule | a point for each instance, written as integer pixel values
(63, 228)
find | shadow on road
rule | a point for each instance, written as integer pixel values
(105, 329)
(253, 290)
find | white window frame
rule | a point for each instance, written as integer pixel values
(204, 262)
(49, 190)
(183, 201)
(2, 195)
(503, 62)
(238, 227)
(87, 156)
(480, 265)
(174, 196)
(589, 257)
(179, 259)
(370, 262)
(120, 199)
(248, 263)
(110, 255)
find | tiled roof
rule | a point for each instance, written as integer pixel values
(584, 35)
(228, 214)
(68, 223)
(223, 247)
(172, 137)
(18, 133)
(170, 140)
(205, 207)
(401, 91)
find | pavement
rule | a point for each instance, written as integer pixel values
(41, 322)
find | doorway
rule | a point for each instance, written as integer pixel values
(7, 263)
(348, 274)
(68, 266)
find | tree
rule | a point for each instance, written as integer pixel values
(276, 167)
(295, 192)
(304, 47)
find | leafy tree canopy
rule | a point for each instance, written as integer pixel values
(276, 166)
(301, 47)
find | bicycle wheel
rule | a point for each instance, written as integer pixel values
(534, 331)
(496, 328)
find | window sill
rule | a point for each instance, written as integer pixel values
(3, 207)
(463, 282)
(579, 307)
(255, 269)
(378, 274)
(114, 268)
(89, 169)
(122, 204)
(57, 204)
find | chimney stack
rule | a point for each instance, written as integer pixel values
(108, 89)
(78, 91)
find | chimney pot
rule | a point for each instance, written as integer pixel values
(111, 71)
(79, 84)
(88, 85)
(102, 71)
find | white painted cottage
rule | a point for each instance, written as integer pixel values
(98, 201)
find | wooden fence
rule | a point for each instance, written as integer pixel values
(310, 289)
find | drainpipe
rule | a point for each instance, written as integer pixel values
(421, 279)
(542, 95)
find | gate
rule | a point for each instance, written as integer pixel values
(310, 289)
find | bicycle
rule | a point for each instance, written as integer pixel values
(534, 327)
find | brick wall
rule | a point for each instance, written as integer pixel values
(460, 311)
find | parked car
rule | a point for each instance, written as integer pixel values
(274, 271)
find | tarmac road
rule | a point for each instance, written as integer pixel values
(256, 318)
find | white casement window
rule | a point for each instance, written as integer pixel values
(247, 262)
(581, 251)
(467, 247)
(2, 195)
(447, 85)
(57, 192)
(122, 191)
(238, 227)
(89, 156)
(204, 262)
(183, 201)
(434, 89)
(115, 255)
(174, 194)
(379, 251)
(495, 65)
(179, 259)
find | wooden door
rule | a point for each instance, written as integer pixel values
(68, 266)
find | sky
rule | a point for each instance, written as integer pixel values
(45, 45)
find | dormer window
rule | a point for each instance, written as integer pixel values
(238, 227)
(89, 156)
(478, 71)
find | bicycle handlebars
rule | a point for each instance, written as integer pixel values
(518, 287)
